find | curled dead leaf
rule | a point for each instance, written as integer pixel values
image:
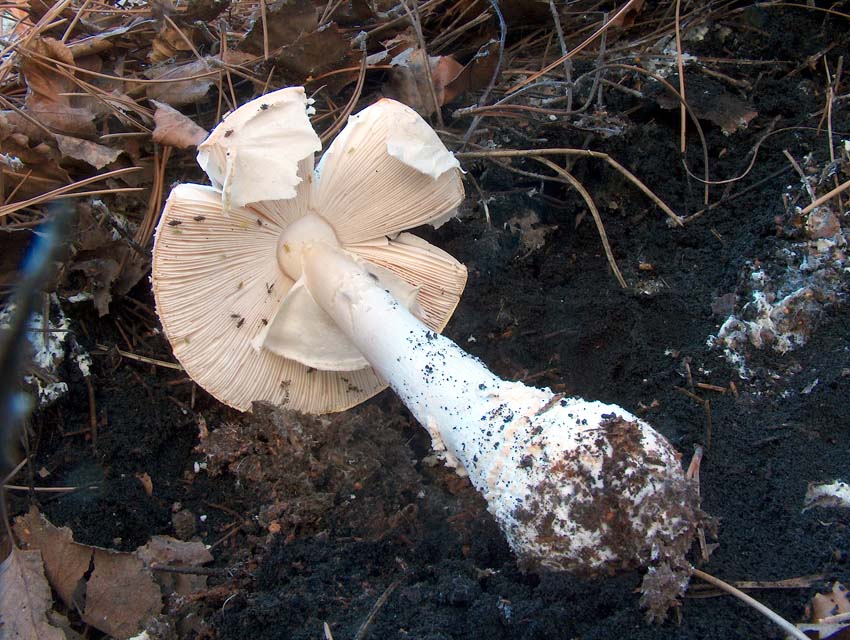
(96, 155)
(409, 80)
(188, 82)
(175, 129)
(25, 598)
(47, 88)
(114, 590)
(476, 74)
(170, 42)
(306, 48)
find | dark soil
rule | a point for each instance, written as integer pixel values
(343, 520)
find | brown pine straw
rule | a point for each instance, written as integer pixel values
(146, 228)
(786, 626)
(582, 153)
(826, 197)
(578, 186)
(575, 51)
(343, 117)
(64, 192)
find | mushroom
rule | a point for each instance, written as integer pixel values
(575, 485)
(226, 268)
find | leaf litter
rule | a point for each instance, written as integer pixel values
(115, 592)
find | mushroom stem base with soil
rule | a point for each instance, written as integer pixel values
(575, 485)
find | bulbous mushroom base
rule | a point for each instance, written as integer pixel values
(608, 495)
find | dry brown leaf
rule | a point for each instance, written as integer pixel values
(165, 550)
(100, 274)
(102, 244)
(204, 10)
(65, 561)
(627, 19)
(532, 232)
(409, 81)
(175, 129)
(286, 22)
(46, 97)
(477, 73)
(180, 92)
(30, 161)
(121, 594)
(169, 43)
(306, 50)
(29, 172)
(97, 155)
(94, 44)
(25, 599)
(710, 101)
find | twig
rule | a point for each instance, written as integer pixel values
(482, 197)
(801, 582)
(827, 197)
(20, 487)
(690, 394)
(364, 628)
(92, 412)
(711, 387)
(565, 52)
(522, 153)
(735, 196)
(264, 20)
(786, 626)
(236, 528)
(830, 100)
(14, 471)
(503, 31)
(625, 8)
(192, 571)
(416, 21)
(694, 119)
(578, 186)
(146, 360)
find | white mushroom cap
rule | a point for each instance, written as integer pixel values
(229, 302)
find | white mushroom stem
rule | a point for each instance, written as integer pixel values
(575, 485)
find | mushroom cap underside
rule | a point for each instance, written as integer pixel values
(217, 284)
(216, 278)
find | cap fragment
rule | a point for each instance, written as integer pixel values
(253, 154)
(374, 181)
